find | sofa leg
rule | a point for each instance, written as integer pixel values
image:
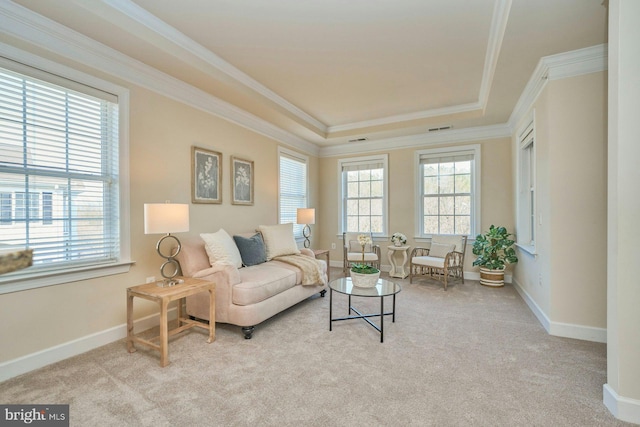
(248, 331)
(322, 292)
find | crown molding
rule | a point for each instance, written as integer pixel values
(176, 43)
(436, 112)
(554, 67)
(419, 141)
(496, 35)
(27, 25)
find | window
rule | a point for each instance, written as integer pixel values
(292, 188)
(60, 184)
(526, 232)
(363, 194)
(448, 183)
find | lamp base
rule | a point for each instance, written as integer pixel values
(306, 232)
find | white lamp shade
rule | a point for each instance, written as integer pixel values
(160, 218)
(306, 216)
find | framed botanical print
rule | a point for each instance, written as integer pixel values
(206, 176)
(241, 181)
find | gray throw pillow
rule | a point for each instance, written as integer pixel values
(252, 249)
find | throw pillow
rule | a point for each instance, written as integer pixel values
(251, 249)
(221, 248)
(440, 250)
(279, 240)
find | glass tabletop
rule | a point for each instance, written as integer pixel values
(381, 289)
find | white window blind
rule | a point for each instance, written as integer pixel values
(293, 190)
(59, 181)
(526, 192)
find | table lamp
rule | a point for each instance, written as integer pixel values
(306, 216)
(161, 218)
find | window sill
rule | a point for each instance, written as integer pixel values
(530, 249)
(10, 284)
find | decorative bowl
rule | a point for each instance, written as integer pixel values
(364, 280)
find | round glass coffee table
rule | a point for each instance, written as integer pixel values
(383, 288)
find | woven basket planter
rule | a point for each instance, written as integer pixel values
(493, 278)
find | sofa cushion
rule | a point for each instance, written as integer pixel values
(260, 282)
(279, 240)
(251, 249)
(221, 248)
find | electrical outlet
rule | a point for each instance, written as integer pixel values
(540, 279)
(151, 279)
(333, 246)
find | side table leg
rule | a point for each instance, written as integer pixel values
(212, 315)
(392, 272)
(164, 334)
(130, 346)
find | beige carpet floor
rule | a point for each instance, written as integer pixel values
(469, 356)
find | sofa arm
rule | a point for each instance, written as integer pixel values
(307, 252)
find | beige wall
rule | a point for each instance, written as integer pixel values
(162, 132)
(496, 195)
(566, 279)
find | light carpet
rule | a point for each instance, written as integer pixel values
(469, 356)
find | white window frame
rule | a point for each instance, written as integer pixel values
(476, 168)
(526, 204)
(384, 159)
(283, 152)
(32, 65)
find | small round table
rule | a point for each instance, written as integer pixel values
(382, 289)
(398, 270)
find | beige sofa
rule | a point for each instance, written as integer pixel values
(245, 296)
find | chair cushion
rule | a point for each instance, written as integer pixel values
(440, 250)
(428, 261)
(251, 249)
(448, 239)
(279, 240)
(357, 256)
(221, 248)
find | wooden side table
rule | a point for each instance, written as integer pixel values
(398, 270)
(163, 296)
(325, 253)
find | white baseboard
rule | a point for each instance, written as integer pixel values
(39, 359)
(623, 408)
(559, 329)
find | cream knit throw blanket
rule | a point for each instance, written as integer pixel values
(310, 267)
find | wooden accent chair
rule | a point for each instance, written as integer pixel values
(444, 259)
(352, 252)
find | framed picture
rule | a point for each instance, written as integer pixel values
(206, 176)
(241, 181)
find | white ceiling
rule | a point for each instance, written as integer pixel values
(332, 70)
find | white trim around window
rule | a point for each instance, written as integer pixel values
(526, 204)
(358, 163)
(45, 70)
(471, 151)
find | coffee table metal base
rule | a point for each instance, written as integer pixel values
(365, 317)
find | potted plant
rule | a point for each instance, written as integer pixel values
(494, 251)
(363, 275)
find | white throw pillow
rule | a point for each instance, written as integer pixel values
(279, 240)
(221, 248)
(440, 250)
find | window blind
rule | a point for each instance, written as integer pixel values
(58, 171)
(293, 190)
